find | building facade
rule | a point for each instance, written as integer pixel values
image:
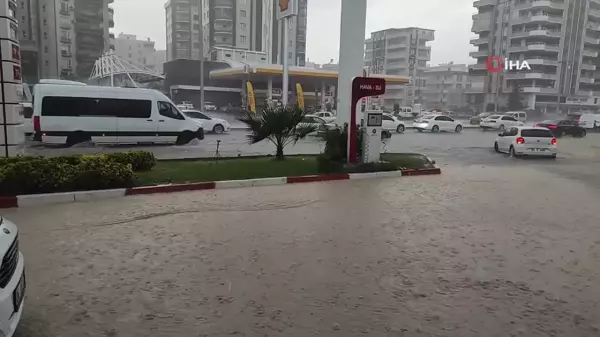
(130, 49)
(63, 38)
(559, 39)
(403, 52)
(445, 87)
(250, 25)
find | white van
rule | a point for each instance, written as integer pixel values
(521, 116)
(587, 121)
(71, 114)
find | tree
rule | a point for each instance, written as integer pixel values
(490, 107)
(281, 126)
(515, 101)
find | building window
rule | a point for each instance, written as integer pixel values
(45, 35)
(45, 49)
(242, 38)
(243, 13)
(242, 26)
(47, 63)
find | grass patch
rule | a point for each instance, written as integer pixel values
(251, 168)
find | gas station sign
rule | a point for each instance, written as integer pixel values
(361, 87)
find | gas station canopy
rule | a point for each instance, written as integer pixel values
(264, 72)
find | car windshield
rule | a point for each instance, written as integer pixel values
(427, 117)
(484, 114)
(537, 133)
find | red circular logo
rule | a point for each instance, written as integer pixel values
(494, 64)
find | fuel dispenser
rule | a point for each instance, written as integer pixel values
(372, 136)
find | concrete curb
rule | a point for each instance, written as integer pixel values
(83, 196)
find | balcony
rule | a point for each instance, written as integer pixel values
(542, 61)
(65, 53)
(588, 66)
(536, 33)
(594, 13)
(223, 4)
(542, 18)
(478, 66)
(587, 80)
(479, 53)
(65, 39)
(591, 40)
(64, 10)
(537, 46)
(538, 89)
(484, 3)
(589, 53)
(66, 25)
(593, 26)
(530, 76)
(480, 41)
(553, 4)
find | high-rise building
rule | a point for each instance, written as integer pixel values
(63, 38)
(231, 24)
(560, 41)
(402, 52)
(130, 49)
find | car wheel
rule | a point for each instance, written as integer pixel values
(458, 128)
(496, 147)
(511, 152)
(76, 138)
(553, 156)
(218, 129)
(435, 129)
(184, 138)
(501, 128)
(582, 133)
(400, 128)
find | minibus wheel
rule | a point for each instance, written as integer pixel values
(184, 138)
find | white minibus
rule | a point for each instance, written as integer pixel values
(71, 114)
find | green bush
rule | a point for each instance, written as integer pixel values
(140, 161)
(336, 143)
(34, 175)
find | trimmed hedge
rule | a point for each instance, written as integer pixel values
(35, 175)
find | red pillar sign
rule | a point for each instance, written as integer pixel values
(361, 87)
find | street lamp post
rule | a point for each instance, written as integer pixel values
(201, 53)
(286, 62)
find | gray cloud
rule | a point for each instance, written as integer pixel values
(451, 20)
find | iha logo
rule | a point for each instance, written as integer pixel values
(495, 64)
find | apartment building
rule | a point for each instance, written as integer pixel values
(402, 52)
(129, 48)
(231, 24)
(226, 24)
(63, 38)
(445, 87)
(560, 41)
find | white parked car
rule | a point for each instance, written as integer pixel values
(209, 106)
(392, 123)
(437, 123)
(521, 116)
(526, 141)
(12, 278)
(215, 125)
(326, 116)
(499, 122)
(319, 122)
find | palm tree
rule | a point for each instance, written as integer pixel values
(281, 126)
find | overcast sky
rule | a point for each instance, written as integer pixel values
(451, 20)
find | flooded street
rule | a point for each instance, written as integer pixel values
(477, 251)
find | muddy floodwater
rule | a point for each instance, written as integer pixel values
(477, 251)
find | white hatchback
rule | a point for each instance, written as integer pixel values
(392, 123)
(436, 123)
(527, 141)
(12, 278)
(215, 125)
(499, 122)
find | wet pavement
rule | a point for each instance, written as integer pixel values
(498, 248)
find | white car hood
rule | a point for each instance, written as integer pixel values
(220, 121)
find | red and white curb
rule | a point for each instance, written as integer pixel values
(82, 196)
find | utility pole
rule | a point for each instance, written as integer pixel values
(286, 62)
(201, 53)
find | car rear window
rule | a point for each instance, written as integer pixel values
(536, 133)
(550, 122)
(427, 117)
(493, 117)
